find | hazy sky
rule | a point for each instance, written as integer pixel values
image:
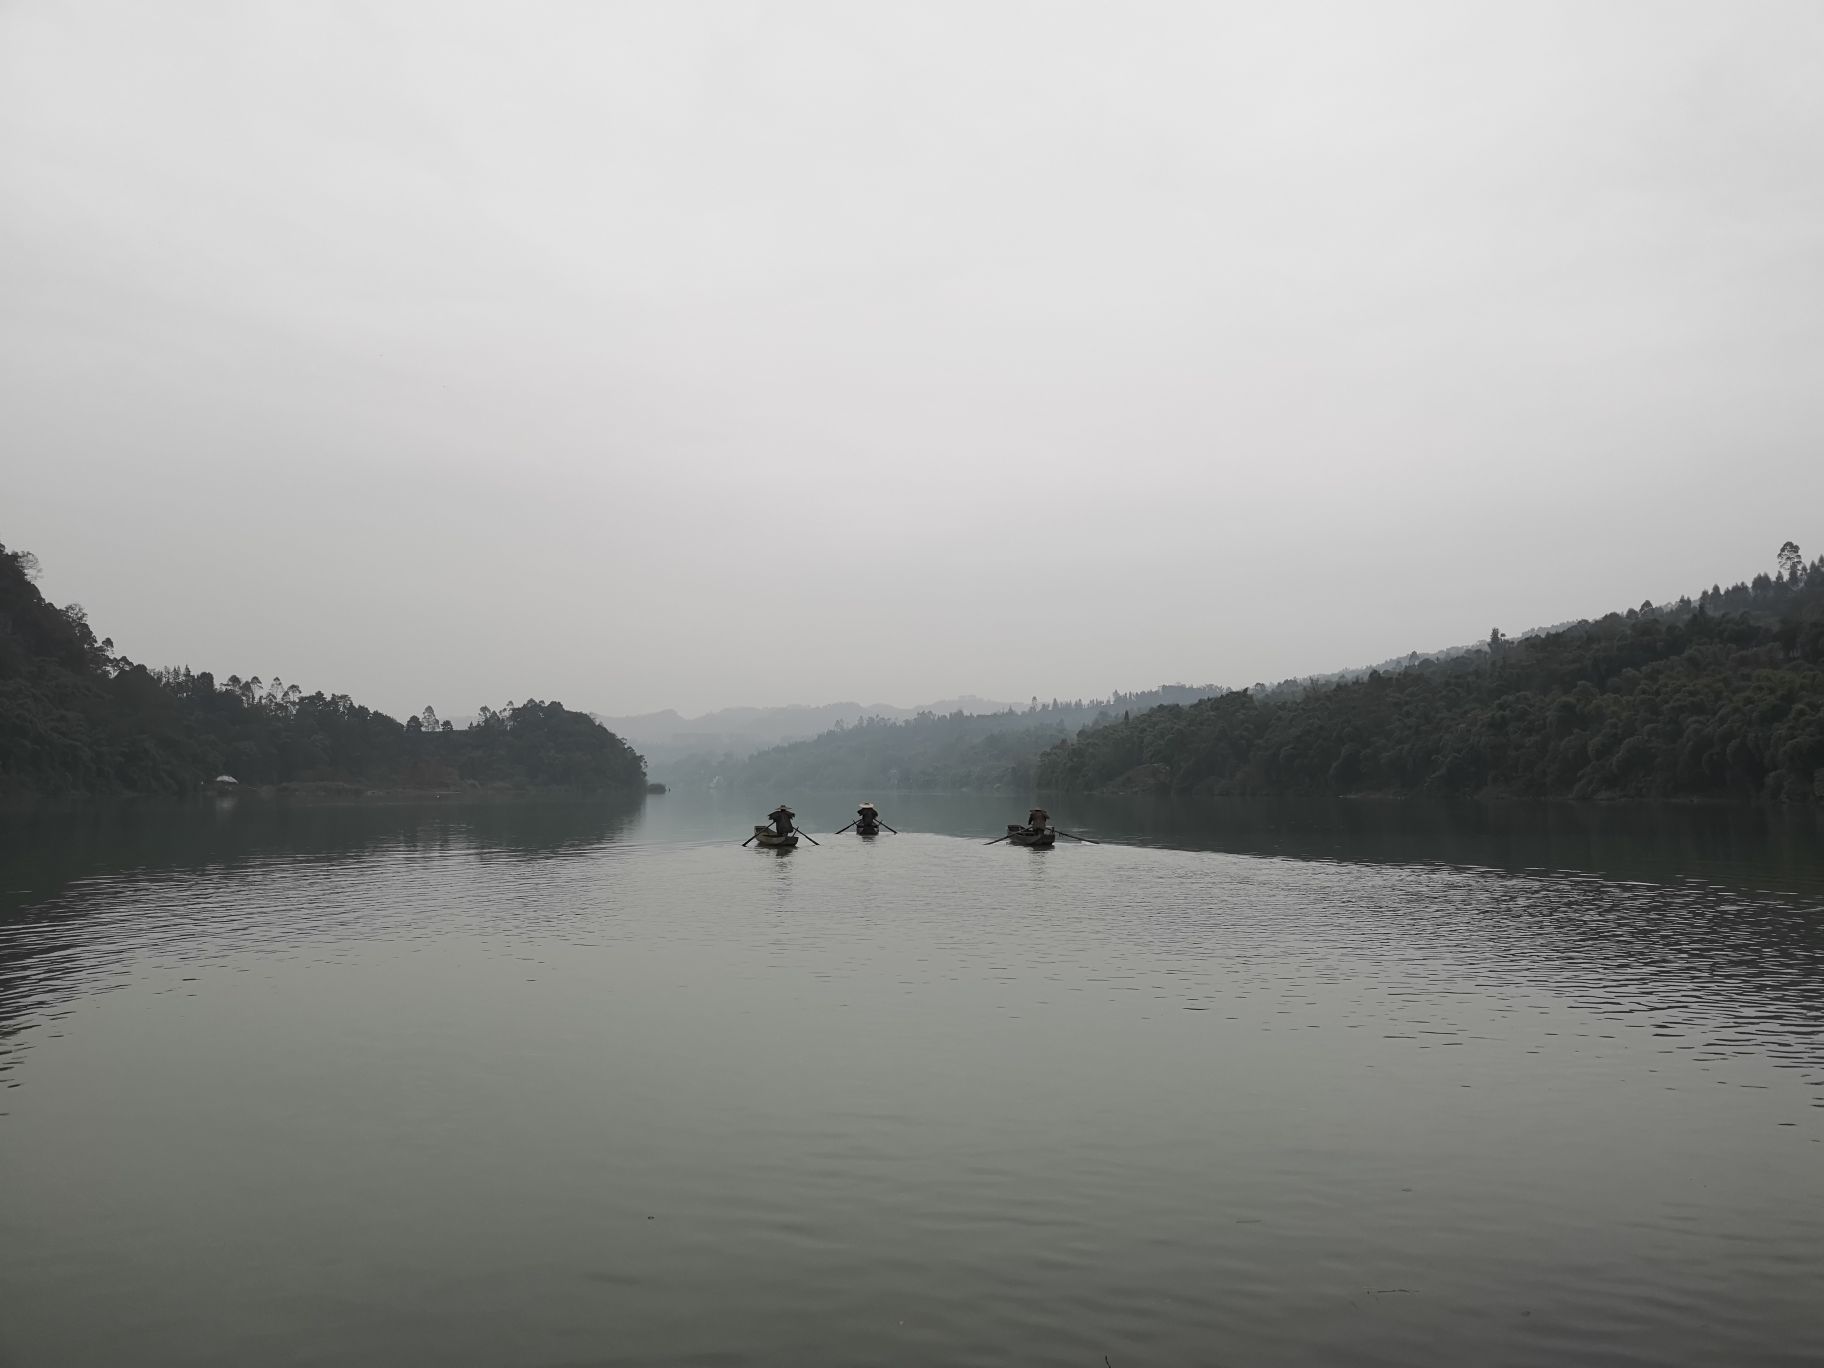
(680, 354)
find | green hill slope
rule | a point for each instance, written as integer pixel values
(1722, 697)
(76, 719)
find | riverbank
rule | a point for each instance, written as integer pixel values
(327, 794)
(470, 791)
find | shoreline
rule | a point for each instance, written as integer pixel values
(319, 793)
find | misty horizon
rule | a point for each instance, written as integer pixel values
(965, 701)
(650, 358)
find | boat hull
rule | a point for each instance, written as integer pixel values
(1032, 840)
(867, 831)
(767, 839)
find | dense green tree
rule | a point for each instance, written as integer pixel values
(1792, 561)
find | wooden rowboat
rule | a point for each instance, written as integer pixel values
(871, 829)
(768, 839)
(1042, 839)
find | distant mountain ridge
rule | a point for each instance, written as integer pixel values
(929, 749)
(736, 733)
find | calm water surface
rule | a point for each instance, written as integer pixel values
(565, 1085)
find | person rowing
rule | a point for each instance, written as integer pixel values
(867, 821)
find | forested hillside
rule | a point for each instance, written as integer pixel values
(1722, 696)
(78, 719)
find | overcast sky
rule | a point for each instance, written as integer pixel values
(647, 355)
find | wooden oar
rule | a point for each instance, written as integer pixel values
(751, 839)
(840, 830)
(807, 836)
(894, 830)
(997, 840)
(1073, 836)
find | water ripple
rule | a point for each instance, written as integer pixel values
(441, 1096)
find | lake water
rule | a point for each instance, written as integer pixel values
(564, 1085)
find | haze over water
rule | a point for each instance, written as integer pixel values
(561, 1085)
